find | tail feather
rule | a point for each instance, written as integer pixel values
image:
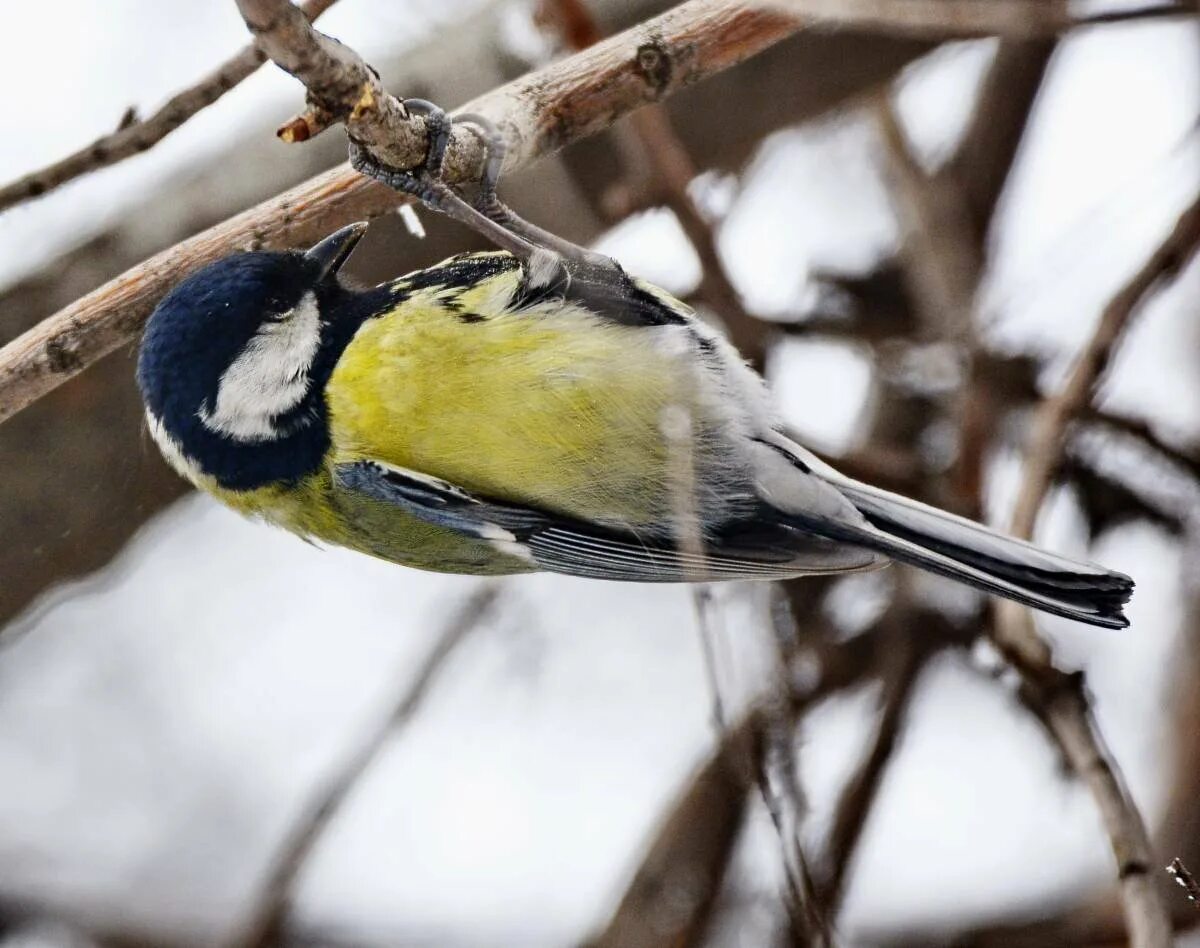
(960, 549)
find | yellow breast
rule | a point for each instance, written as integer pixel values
(549, 405)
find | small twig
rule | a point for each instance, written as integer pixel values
(862, 788)
(134, 136)
(541, 112)
(1185, 880)
(270, 913)
(341, 86)
(701, 605)
(1046, 442)
(776, 778)
(1060, 700)
(671, 164)
(840, 665)
(1187, 459)
(671, 898)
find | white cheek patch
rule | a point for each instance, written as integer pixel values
(171, 449)
(268, 378)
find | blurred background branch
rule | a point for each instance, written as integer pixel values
(135, 135)
(267, 922)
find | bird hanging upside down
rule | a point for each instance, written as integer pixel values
(531, 408)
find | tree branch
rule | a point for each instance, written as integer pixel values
(944, 250)
(669, 902)
(1187, 458)
(964, 19)
(1061, 703)
(540, 112)
(138, 135)
(1060, 700)
(341, 87)
(908, 660)
(1185, 880)
(1046, 444)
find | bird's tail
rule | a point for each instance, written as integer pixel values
(952, 546)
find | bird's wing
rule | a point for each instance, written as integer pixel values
(472, 283)
(748, 549)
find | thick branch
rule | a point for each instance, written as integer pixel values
(139, 135)
(541, 112)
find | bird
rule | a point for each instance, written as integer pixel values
(529, 408)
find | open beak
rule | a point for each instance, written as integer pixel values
(331, 253)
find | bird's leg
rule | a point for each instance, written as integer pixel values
(427, 185)
(489, 203)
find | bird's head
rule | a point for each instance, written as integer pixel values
(234, 362)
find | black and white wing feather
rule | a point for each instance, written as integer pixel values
(748, 549)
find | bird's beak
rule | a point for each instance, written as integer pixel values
(331, 253)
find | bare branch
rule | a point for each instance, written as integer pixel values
(134, 136)
(963, 19)
(341, 87)
(670, 900)
(675, 171)
(1187, 458)
(1046, 442)
(976, 175)
(1089, 921)
(984, 158)
(702, 607)
(946, 216)
(941, 258)
(270, 914)
(541, 112)
(780, 791)
(862, 788)
(1060, 700)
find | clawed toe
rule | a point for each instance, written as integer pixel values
(423, 182)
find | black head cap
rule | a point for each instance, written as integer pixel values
(234, 360)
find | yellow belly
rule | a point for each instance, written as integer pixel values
(555, 408)
(317, 510)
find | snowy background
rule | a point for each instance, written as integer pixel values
(164, 722)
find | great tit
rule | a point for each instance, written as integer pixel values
(532, 408)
